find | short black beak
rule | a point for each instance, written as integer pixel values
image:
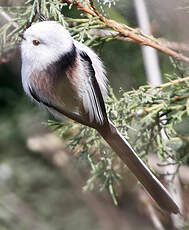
(22, 36)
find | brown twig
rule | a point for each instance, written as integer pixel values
(129, 32)
(79, 6)
(177, 46)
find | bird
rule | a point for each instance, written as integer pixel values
(69, 79)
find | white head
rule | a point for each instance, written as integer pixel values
(45, 42)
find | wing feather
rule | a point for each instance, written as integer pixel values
(92, 97)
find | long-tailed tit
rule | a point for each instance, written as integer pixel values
(69, 79)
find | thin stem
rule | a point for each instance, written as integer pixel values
(8, 18)
(173, 82)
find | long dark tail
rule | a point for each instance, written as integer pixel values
(158, 192)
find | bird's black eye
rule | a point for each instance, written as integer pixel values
(36, 42)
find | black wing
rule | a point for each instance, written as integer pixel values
(92, 99)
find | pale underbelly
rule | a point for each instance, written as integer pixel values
(58, 92)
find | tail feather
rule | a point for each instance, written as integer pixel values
(123, 149)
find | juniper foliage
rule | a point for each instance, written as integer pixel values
(140, 114)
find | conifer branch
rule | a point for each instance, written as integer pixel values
(129, 32)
